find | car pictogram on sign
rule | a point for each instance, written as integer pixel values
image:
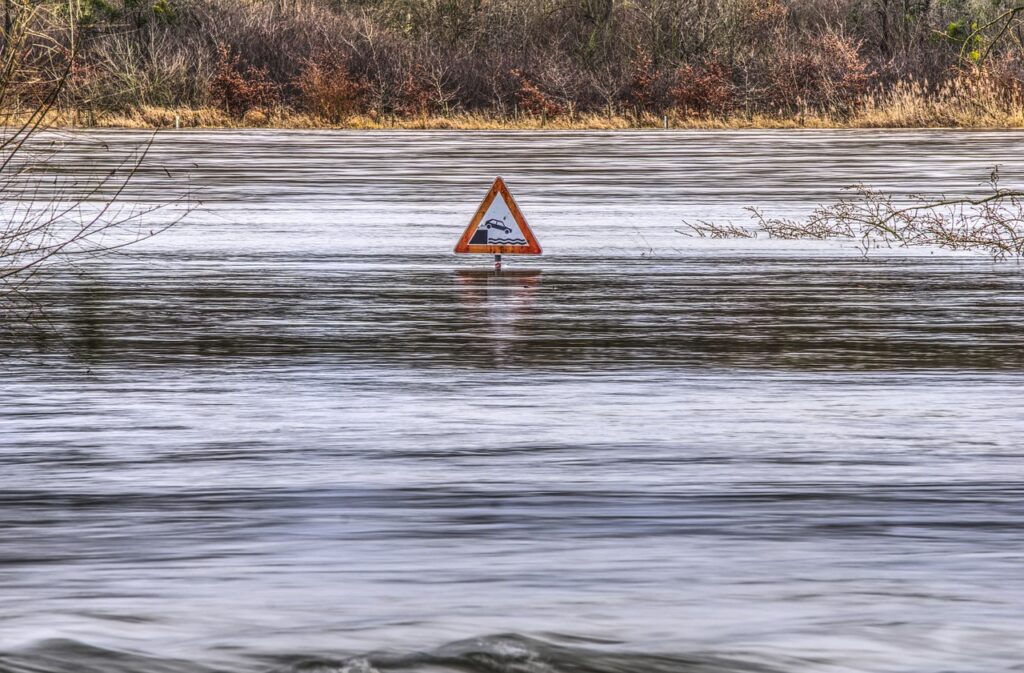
(497, 224)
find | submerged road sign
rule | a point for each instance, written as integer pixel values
(498, 227)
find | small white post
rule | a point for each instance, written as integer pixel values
(177, 121)
(665, 119)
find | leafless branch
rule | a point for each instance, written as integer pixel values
(51, 216)
(874, 219)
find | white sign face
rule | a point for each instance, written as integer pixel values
(498, 226)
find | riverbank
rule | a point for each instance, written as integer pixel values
(157, 118)
(898, 109)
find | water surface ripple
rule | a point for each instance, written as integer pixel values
(296, 434)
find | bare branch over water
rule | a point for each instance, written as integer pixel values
(52, 215)
(875, 219)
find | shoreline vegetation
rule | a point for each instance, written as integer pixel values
(908, 113)
(518, 64)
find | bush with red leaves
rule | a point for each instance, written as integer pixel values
(643, 80)
(328, 90)
(534, 101)
(703, 89)
(237, 90)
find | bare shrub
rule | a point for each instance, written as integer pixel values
(237, 89)
(49, 217)
(837, 74)
(642, 92)
(826, 74)
(440, 82)
(532, 100)
(705, 88)
(873, 219)
(762, 22)
(327, 89)
(413, 97)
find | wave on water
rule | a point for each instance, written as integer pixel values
(510, 653)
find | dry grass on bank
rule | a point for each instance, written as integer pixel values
(962, 102)
(958, 104)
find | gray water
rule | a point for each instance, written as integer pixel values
(296, 433)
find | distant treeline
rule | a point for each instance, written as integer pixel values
(331, 59)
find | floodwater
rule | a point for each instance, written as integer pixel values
(296, 433)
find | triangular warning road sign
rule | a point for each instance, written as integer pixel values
(498, 227)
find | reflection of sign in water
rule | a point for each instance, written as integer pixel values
(498, 227)
(494, 305)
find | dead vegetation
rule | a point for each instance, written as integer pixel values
(50, 216)
(705, 229)
(534, 63)
(872, 219)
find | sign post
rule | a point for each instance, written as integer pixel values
(498, 228)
